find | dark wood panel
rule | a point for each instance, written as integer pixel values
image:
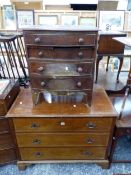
(63, 153)
(62, 124)
(60, 53)
(8, 96)
(4, 127)
(6, 141)
(62, 83)
(7, 156)
(61, 139)
(51, 69)
(77, 39)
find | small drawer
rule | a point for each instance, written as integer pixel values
(7, 156)
(4, 127)
(62, 83)
(61, 53)
(6, 141)
(61, 139)
(67, 124)
(59, 39)
(49, 69)
(67, 153)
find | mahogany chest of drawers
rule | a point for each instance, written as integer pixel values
(63, 132)
(7, 147)
(61, 63)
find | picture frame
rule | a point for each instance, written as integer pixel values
(47, 19)
(129, 21)
(9, 17)
(111, 20)
(24, 18)
(88, 21)
(69, 19)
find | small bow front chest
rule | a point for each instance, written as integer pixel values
(61, 63)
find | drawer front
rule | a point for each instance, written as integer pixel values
(61, 139)
(77, 39)
(7, 156)
(4, 127)
(61, 53)
(61, 69)
(62, 83)
(62, 124)
(66, 153)
(5, 141)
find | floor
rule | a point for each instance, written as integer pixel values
(123, 150)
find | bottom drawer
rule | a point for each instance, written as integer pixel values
(7, 156)
(68, 153)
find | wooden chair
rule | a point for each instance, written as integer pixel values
(109, 47)
(123, 123)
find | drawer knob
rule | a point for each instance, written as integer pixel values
(34, 125)
(79, 84)
(36, 141)
(38, 154)
(62, 123)
(40, 69)
(89, 140)
(81, 40)
(79, 69)
(91, 125)
(40, 54)
(37, 40)
(43, 83)
(87, 153)
(80, 54)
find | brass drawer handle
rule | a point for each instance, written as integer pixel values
(79, 69)
(81, 40)
(80, 54)
(79, 84)
(87, 153)
(38, 154)
(89, 141)
(37, 40)
(36, 141)
(43, 83)
(40, 69)
(40, 54)
(35, 125)
(91, 125)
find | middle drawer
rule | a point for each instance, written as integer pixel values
(61, 68)
(62, 83)
(61, 139)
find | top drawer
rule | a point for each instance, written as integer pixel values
(76, 39)
(62, 124)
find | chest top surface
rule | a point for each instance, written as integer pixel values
(101, 107)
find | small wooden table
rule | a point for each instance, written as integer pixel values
(63, 132)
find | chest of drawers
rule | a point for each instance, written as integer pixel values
(61, 63)
(62, 132)
(7, 146)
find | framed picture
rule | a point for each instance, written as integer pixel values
(111, 20)
(129, 21)
(9, 17)
(47, 19)
(88, 21)
(25, 18)
(69, 19)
